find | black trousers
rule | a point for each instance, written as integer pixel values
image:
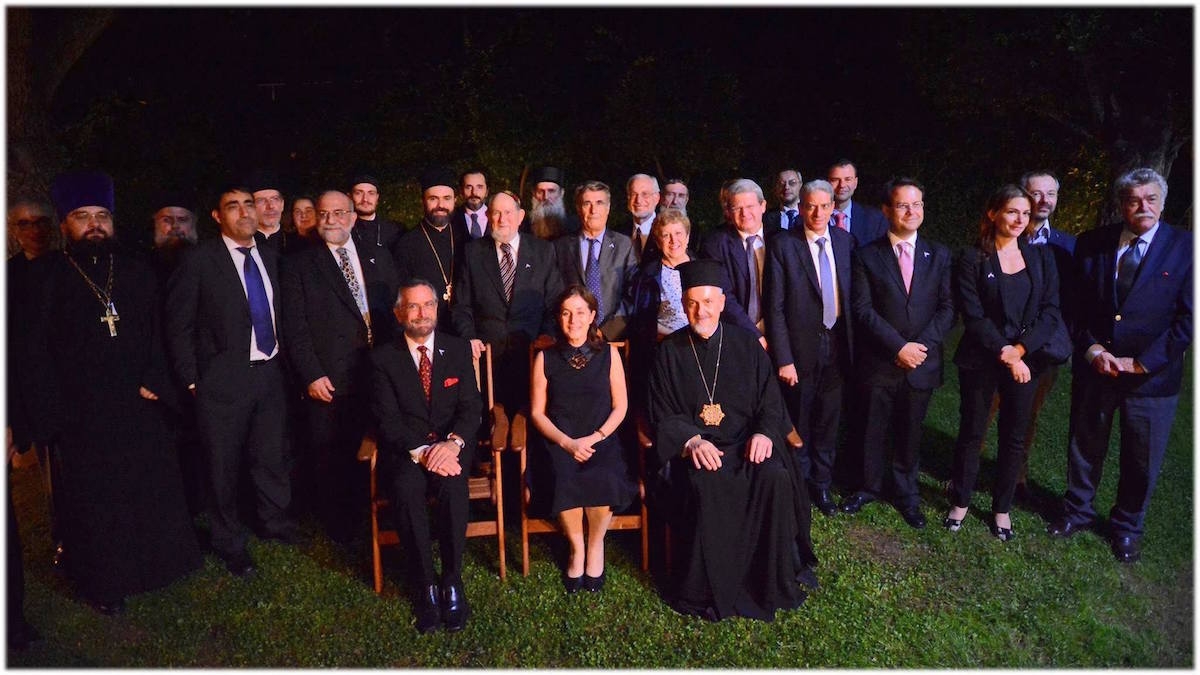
(815, 407)
(339, 480)
(893, 413)
(976, 388)
(245, 425)
(411, 488)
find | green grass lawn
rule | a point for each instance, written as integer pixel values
(890, 597)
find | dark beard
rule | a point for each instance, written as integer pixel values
(437, 221)
(86, 249)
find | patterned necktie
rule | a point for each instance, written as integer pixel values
(508, 270)
(839, 219)
(1127, 269)
(904, 254)
(475, 233)
(1042, 237)
(591, 276)
(426, 371)
(637, 242)
(829, 308)
(260, 307)
(352, 280)
(752, 304)
(791, 216)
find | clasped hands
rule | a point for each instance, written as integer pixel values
(582, 449)
(441, 458)
(1013, 357)
(1107, 364)
(706, 456)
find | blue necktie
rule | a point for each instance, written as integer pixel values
(591, 276)
(1127, 269)
(791, 214)
(260, 307)
(829, 313)
(475, 233)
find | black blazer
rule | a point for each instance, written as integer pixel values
(406, 421)
(867, 223)
(208, 318)
(617, 268)
(324, 332)
(480, 310)
(977, 294)
(650, 250)
(887, 317)
(726, 246)
(792, 299)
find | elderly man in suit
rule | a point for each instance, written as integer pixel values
(642, 193)
(598, 258)
(742, 248)
(221, 326)
(336, 305)
(471, 214)
(809, 330)
(903, 308)
(1130, 340)
(509, 282)
(866, 223)
(428, 406)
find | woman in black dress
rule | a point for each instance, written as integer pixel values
(1007, 292)
(577, 402)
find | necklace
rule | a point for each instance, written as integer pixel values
(105, 297)
(710, 413)
(448, 280)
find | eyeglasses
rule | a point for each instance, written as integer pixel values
(273, 199)
(84, 217)
(915, 206)
(337, 213)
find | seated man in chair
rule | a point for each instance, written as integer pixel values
(428, 408)
(720, 427)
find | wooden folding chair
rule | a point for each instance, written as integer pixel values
(637, 520)
(484, 483)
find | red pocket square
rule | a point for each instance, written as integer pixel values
(450, 382)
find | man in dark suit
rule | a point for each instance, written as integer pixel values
(336, 305)
(1130, 341)
(428, 406)
(221, 333)
(734, 246)
(598, 258)
(372, 229)
(642, 193)
(787, 191)
(903, 308)
(548, 216)
(865, 222)
(509, 284)
(809, 331)
(471, 215)
(433, 250)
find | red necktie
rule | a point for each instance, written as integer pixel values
(426, 371)
(839, 219)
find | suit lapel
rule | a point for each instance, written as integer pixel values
(806, 263)
(1033, 263)
(1155, 253)
(738, 252)
(576, 260)
(229, 273)
(991, 270)
(922, 261)
(491, 267)
(841, 258)
(331, 271)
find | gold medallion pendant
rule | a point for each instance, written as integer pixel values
(711, 414)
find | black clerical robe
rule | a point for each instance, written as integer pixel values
(436, 256)
(125, 522)
(739, 561)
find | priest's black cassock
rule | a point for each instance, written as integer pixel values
(739, 562)
(125, 522)
(436, 256)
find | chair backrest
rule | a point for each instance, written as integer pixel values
(483, 376)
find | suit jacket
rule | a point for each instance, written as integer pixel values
(406, 420)
(978, 296)
(480, 310)
(617, 268)
(1153, 325)
(726, 246)
(792, 299)
(322, 327)
(650, 249)
(774, 219)
(208, 318)
(458, 220)
(887, 317)
(1062, 245)
(867, 223)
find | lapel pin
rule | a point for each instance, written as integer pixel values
(372, 261)
(926, 254)
(441, 352)
(527, 265)
(991, 276)
(1166, 274)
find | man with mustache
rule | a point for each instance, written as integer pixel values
(174, 232)
(95, 377)
(471, 215)
(433, 250)
(548, 216)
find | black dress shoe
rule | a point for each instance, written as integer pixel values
(455, 610)
(1063, 528)
(952, 524)
(1126, 549)
(855, 502)
(913, 517)
(572, 584)
(428, 609)
(825, 503)
(807, 577)
(239, 564)
(593, 584)
(1001, 533)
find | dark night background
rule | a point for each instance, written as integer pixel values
(962, 99)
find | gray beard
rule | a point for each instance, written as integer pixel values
(546, 219)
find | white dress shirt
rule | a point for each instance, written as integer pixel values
(815, 251)
(239, 260)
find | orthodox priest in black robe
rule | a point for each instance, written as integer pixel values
(720, 419)
(100, 373)
(433, 250)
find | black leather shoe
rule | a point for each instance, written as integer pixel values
(913, 517)
(239, 564)
(428, 610)
(825, 503)
(1064, 528)
(855, 502)
(1126, 549)
(455, 610)
(572, 584)
(593, 584)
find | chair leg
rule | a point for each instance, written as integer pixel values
(500, 513)
(524, 537)
(645, 539)
(375, 558)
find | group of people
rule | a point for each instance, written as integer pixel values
(276, 350)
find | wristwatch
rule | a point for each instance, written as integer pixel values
(455, 439)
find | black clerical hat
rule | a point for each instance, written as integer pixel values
(552, 174)
(264, 179)
(172, 197)
(438, 176)
(703, 272)
(81, 188)
(362, 178)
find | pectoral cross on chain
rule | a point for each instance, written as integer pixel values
(111, 318)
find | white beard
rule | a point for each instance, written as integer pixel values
(546, 219)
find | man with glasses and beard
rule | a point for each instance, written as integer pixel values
(548, 216)
(433, 250)
(97, 370)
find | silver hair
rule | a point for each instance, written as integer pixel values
(1138, 178)
(629, 183)
(817, 185)
(415, 282)
(741, 185)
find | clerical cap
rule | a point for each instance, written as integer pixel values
(172, 197)
(81, 188)
(703, 272)
(363, 178)
(264, 179)
(438, 176)
(552, 174)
